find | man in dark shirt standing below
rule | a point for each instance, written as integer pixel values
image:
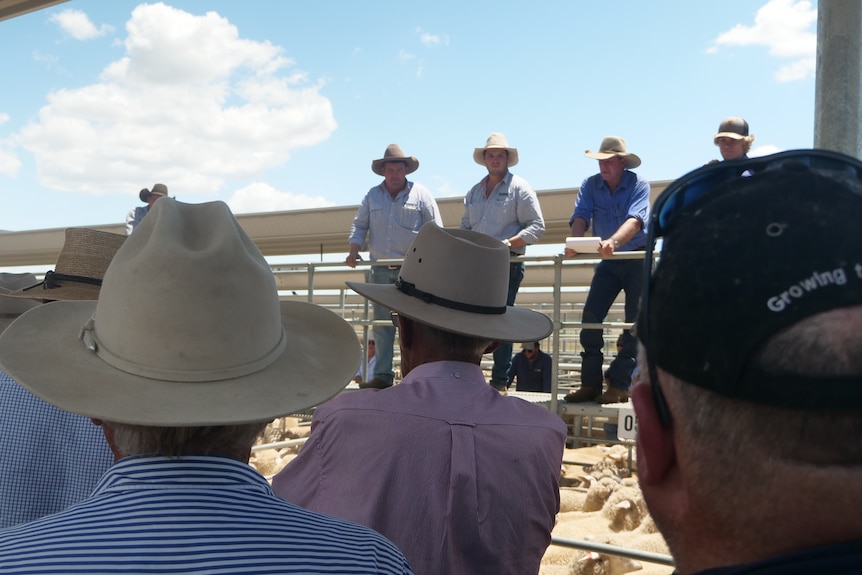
(503, 206)
(532, 368)
(616, 201)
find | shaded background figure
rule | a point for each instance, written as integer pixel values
(387, 220)
(503, 206)
(51, 458)
(733, 139)
(149, 197)
(616, 202)
(531, 368)
(371, 358)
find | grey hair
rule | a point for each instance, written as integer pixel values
(825, 344)
(178, 441)
(456, 346)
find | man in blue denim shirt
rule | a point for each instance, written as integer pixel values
(505, 207)
(616, 201)
(388, 219)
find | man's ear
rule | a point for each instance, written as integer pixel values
(656, 447)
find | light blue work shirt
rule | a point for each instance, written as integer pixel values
(512, 209)
(607, 211)
(390, 225)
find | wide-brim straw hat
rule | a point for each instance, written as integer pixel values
(393, 153)
(458, 281)
(80, 267)
(615, 146)
(188, 331)
(496, 141)
(158, 190)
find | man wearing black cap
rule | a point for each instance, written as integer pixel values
(750, 402)
(733, 139)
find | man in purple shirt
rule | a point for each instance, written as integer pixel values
(616, 202)
(461, 478)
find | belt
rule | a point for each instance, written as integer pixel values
(393, 267)
(515, 254)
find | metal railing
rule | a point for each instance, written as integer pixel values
(555, 288)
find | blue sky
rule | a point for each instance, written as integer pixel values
(281, 104)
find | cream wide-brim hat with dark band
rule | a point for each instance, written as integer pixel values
(188, 331)
(458, 281)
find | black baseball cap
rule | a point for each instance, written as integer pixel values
(742, 259)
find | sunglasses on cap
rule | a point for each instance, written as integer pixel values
(701, 186)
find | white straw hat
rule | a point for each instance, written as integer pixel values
(496, 141)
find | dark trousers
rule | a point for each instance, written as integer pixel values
(503, 353)
(611, 277)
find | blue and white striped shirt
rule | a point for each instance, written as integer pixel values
(51, 458)
(196, 514)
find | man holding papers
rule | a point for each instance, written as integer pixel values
(615, 204)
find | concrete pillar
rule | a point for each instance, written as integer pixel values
(837, 103)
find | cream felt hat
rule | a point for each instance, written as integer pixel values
(158, 190)
(496, 141)
(80, 267)
(615, 146)
(458, 280)
(188, 331)
(10, 308)
(393, 153)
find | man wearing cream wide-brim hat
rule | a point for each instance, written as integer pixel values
(51, 458)
(461, 478)
(505, 207)
(614, 204)
(149, 197)
(183, 360)
(387, 220)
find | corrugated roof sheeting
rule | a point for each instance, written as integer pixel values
(300, 232)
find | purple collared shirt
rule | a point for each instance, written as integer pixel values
(460, 478)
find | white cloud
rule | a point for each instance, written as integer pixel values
(432, 40)
(9, 163)
(260, 197)
(764, 150)
(405, 56)
(190, 103)
(78, 25)
(784, 27)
